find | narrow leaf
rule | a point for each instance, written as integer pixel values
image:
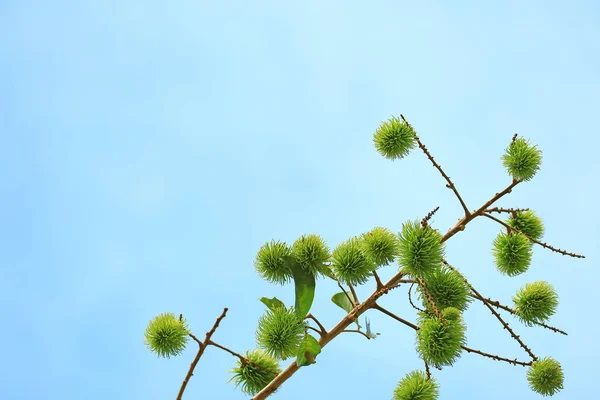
(308, 350)
(272, 303)
(304, 281)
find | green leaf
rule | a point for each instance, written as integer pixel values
(308, 350)
(272, 303)
(304, 281)
(341, 300)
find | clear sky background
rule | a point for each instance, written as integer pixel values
(149, 148)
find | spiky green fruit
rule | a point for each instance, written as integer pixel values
(536, 302)
(545, 376)
(440, 344)
(255, 374)
(416, 386)
(512, 253)
(270, 263)
(350, 264)
(394, 139)
(420, 250)
(447, 289)
(280, 332)
(452, 314)
(380, 245)
(166, 335)
(528, 223)
(522, 160)
(311, 252)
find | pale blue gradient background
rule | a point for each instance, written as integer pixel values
(149, 148)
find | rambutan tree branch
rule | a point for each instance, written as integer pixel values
(449, 185)
(200, 352)
(498, 317)
(283, 332)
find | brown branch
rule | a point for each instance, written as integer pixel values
(200, 352)
(495, 357)
(510, 228)
(504, 323)
(462, 222)
(402, 281)
(449, 185)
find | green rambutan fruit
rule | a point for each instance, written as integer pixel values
(270, 263)
(166, 335)
(447, 289)
(280, 332)
(380, 245)
(311, 252)
(420, 250)
(440, 344)
(545, 376)
(416, 386)
(255, 374)
(394, 139)
(512, 253)
(528, 223)
(522, 160)
(350, 263)
(536, 302)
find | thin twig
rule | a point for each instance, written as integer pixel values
(378, 280)
(394, 316)
(495, 357)
(315, 329)
(450, 185)
(431, 302)
(506, 210)
(427, 370)
(497, 304)
(357, 331)
(356, 302)
(241, 357)
(410, 299)
(347, 295)
(428, 217)
(504, 323)
(321, 327)
(199, 354)
(510, 228)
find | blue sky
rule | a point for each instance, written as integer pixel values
(148, 149)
